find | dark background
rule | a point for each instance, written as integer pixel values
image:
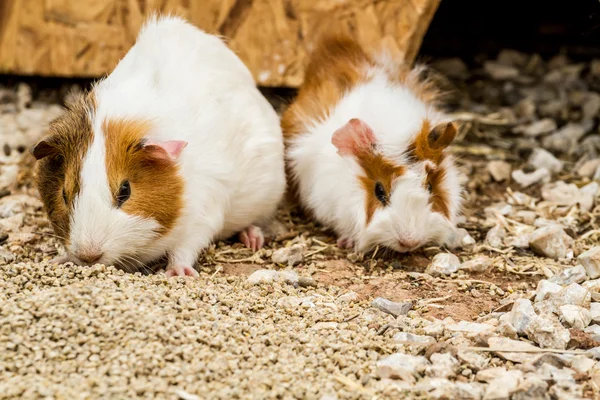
(465, 28)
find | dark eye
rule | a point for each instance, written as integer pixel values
(124, 193)
(429, 187)
(380, 193)
(64, 194)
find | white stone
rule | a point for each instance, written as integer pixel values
(528, 217)
(478, 264)
(443, 264)
(561, 193)
(567, 276)
(469, 327)
(503, 386)
(401, 366)
(500, 170)
(443, 365)
(573, 294)
(594, 288)
(497, 342)
(545, 288)
(593, 331)
(500, 72)
(8, 175)
(391, 307)
(349, 297)
(522, 315)
(494, 237)
(291, 255)
(526, 180)
(541, 158)
(461, 239)
(435, 329)
(575, 316)
(473, 359)
(582, 364)
(566, 137)
(590, 260)
(548, 332)
(551, 241)
(537, 128)
(498, 208)
(588, 168)
(269, 276)
(595, 312)
(532, 387)
(412, 339)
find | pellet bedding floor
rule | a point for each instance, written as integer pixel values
(508, 312)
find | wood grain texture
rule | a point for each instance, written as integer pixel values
(86, 38)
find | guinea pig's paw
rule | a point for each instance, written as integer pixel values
(345, 243)
(252, 237)
(65, 258)
(180, 270)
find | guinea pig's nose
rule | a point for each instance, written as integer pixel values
(408, 243)
(90, 257)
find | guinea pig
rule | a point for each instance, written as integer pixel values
(174, 149)
(366, 150)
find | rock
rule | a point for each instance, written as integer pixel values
(591, 106)
(306, 281)
(519, 240)
(8, 175)
(503, 386)
(537, 128)
(469, 327)
(500, 72)
(474, 360)
(545, 288)
(391, 307)
(548, 332)
(349, 297)
(590, 260)
(435, 329)
(464, 391)
(589, 167)
(567, 276)
(496, 342)
(269, 276)
(593, 331)
(494, 237)
(551, 241)
(295, 302)
(498, 208)
(541, 158)
(291, 255)
(500, 170)
(575, 316)
(452, 67)
(443, 365)
(412, 339)
(595, 312)
(461, 239)
(566, 138)
(531, 388)
(582, 340)
(526, 180)
(528, 217)
(573, 294)
(522, 315)
(563, 194)
(594, 288)
(582, 364)
(593, 353)
(477, 264)
(401, 366)
(443, 264)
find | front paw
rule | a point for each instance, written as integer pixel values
(252, 237)
(180, 270)
(345, 243)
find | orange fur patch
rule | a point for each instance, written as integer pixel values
(60, 156)
(439, 198)
(377, 169)
(156, 187)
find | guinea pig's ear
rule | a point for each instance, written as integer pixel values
(43, 148)
(353, 138)
(441, 135)
(169, 150)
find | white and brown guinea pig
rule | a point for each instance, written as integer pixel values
(366, 150)
(174, 149)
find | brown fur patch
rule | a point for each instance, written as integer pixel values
(377, 169)
(439, 196)
(60, 156)
(156, 187)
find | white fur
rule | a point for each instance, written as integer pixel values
(192, 88)
(328, 183)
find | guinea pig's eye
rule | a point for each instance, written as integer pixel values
(124, 193)
(380, 193)
(429, 188)
(64, 195)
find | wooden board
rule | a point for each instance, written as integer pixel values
(86, 38)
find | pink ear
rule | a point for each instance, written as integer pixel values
(171, 149)
(353, 138)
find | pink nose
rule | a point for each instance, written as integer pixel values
(408, 243)
(90, 257)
